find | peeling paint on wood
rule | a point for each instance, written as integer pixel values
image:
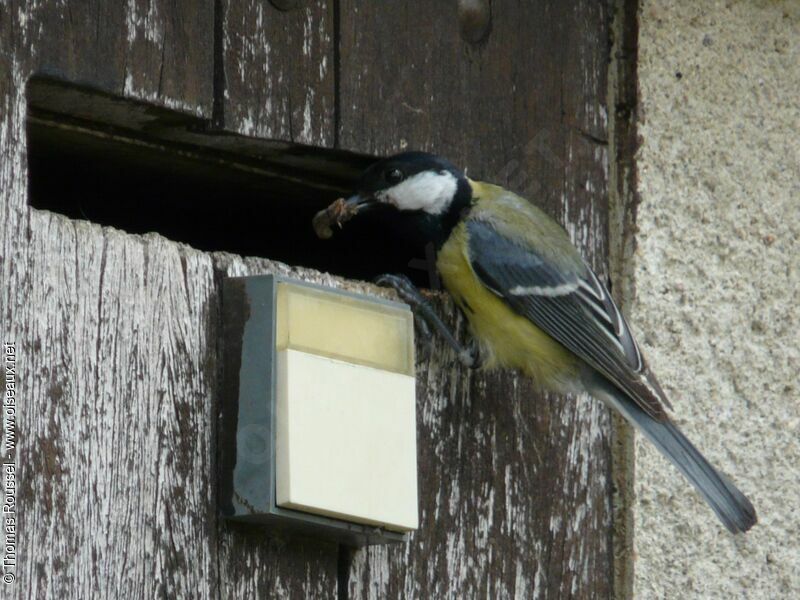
(117, 341)
(118, 334)
(158, 51)
(118, 401)
(279, 71)
(514, 485)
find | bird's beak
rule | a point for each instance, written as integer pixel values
(340, 212)
(358, 203)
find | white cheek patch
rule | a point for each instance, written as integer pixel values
(428, 191)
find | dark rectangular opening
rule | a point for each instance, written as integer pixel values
(141, 168)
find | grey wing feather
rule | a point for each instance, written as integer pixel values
(571, 305)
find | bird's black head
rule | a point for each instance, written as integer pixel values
(426, 193)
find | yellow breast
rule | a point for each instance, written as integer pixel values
(510, 339)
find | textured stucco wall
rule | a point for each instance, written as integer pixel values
(717, 288)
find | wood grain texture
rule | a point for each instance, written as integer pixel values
(514, 485)
(159, 51)
(130, 344)
(118, 334)
(623, 136)
(279, 71)
(117, 343)
(116, 462)
(505, 108)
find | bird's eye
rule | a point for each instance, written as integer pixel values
(394, 176)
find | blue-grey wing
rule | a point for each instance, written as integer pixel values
(571, 305)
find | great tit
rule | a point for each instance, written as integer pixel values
(531, 301)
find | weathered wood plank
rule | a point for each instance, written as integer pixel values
(623, 138)
(115, 464)
(117, 344)
(14, 311)
(160, 51)
(514, 486)
(279, 71)
(503, 108)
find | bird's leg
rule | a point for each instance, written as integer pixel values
(427, 317)
(424, 333)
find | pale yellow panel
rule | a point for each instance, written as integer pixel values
(345, 327)
(346, 441)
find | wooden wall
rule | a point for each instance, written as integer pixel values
(118, 334)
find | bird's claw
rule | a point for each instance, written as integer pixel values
(470, 356)
(427, 319)
(404, 287)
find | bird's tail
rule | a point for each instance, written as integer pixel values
(732, 507)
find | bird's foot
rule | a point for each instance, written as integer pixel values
(470, 355)
(427, 319)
